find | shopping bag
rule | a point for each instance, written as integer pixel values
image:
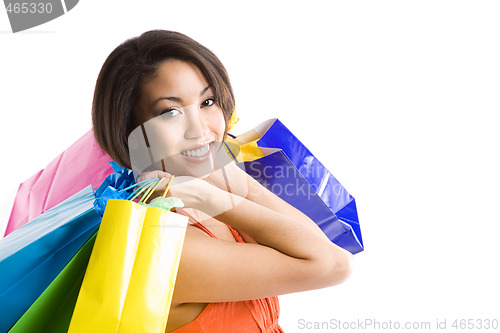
(57, 181)
(34, 254)
(272, 155)
(52, 311)
(131, 273)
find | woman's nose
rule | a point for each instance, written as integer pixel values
(196, 126)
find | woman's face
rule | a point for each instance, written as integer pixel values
(181, 122)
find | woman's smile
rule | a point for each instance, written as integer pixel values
(197, 154)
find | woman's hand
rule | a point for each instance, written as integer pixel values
(190, 190)
(204, 195)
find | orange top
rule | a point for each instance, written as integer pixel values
(258, 315)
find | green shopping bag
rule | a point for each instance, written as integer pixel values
(52, 311)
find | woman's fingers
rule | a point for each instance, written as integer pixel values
(194, 192)
(153, 174)
(156, 174)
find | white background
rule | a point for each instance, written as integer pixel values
(399, 99)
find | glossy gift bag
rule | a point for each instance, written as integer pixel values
(57, 181)
(278, 160)
(34, 254)
(131, 273)
(52, 311)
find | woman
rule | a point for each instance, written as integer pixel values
(245, 245)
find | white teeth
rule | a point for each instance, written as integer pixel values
(196, 152)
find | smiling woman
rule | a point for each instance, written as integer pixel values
(178, 110)
(135, 62)
(244, 245)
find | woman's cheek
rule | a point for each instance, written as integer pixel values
(164, 141)
(219, 125)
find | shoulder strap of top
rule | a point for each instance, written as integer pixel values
(197, 224)
(202, 227)
(236, 235)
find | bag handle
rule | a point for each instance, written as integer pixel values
(168, 186)
(139, 189)
(149, 189)
(142, 189)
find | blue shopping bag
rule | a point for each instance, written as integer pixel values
(52, 311)
(292, 172)
(33, 255)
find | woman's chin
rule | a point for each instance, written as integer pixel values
(201, 171)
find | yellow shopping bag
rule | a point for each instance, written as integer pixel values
(131, 273)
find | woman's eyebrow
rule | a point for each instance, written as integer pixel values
(178, 99)
(205, 90)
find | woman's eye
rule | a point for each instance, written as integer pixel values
(208, 102)
(170, 113)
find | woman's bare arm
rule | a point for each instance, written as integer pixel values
(291, 253)
(290, 256)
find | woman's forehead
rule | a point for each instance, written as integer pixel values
(176, 78)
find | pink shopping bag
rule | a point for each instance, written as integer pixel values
(82, 164)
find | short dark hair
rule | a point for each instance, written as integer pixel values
(119, 83)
